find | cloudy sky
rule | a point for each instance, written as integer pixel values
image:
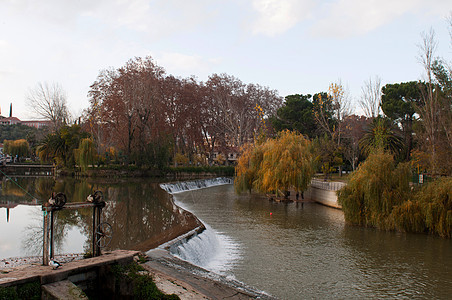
(293, 46)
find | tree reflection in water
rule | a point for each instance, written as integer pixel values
(141, 213)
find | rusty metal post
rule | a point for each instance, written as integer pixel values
(45, 243)
(94, 231)
(98, 213)
(51, 234)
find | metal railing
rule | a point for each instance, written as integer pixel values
(326, 185)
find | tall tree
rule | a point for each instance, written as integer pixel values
(232, 105)
(354, 129)
(331, 109)
(49, 102)
(399, 103)
(296, 114)
(129, 103)
(370, 100)
(435, 108)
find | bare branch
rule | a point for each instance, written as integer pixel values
(371, 97)
(48, 101)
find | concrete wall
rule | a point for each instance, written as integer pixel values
(325, 197)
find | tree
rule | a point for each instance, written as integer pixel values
(60, 146)
(296, 114)
(370, 100)
(19, 148)
(330, 109)
(399, 103)
(354, 130)
(435, 108)
(380, 137)
(49, 102)
(231, 105)
(330, 112)
(374, 189)
(128, 103)
(328, 155)
(86, 153)
(276, 165)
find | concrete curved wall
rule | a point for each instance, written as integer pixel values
(325, 197)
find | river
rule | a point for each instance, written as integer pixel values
(295, 251)
(287, 250)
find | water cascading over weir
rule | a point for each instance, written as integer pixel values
(185, 186)
(207, 249)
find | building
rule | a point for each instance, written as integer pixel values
(13, 121)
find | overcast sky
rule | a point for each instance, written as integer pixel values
(293, 46)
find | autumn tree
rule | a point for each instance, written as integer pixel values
(354, 130)
(232, 105)
(128, 103)
(144, 113)
(330, 111)
(49, 101)
(19, 148)
(277, 165)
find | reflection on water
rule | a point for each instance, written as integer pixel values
(307, 251)
(140, 212)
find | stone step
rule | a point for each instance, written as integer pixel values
(64, 290)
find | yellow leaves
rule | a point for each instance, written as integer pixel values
(281, 163)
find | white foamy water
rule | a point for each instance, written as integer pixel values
(210, 250)
(184, 186)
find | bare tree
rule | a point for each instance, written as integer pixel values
(371, 97)
(429, 108)
(340, 98)
(48, 101)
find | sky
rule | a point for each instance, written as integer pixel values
(292, 46)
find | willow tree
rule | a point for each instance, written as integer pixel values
(374, 189)
(276, 166)
(247, 166)
(18, 148)
(86, 153)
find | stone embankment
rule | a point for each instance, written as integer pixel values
(171, 275)
(324, 192)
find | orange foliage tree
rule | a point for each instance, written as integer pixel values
(276, 165)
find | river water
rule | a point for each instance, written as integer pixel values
(306, 251)
(141, 214)
(287, 250)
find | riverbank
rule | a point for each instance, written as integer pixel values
(172, 276)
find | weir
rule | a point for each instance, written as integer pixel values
(179, 187)
(203, 247)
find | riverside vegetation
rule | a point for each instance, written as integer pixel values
(379, 195)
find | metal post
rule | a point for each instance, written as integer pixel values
(45, 244)
(51, 235)
(98, 210)
(94, 231)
